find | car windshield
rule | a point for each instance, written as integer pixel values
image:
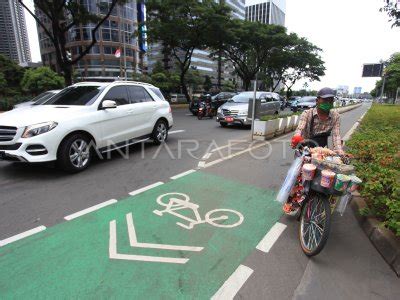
(241, 98)
(76, 95)
(40, 96)
(307, 99)
(44, 99)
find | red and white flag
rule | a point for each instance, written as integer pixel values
(118, 53)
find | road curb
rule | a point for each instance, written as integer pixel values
(280, 132)
(383, 239)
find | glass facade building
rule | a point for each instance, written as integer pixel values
(13, 34)
(266, 12)
(117, 32)
(201, 60)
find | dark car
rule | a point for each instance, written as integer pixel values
(291, 100)
(216, 101)
(304, 103)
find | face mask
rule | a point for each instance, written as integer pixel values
(326, 106)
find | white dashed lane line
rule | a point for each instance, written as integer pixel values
(89, 209)
(271, 237)
(233, 284)
(143, 189)
(22, 235)
(176, 131)
(183, 174)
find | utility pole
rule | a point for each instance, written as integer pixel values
(254, 107)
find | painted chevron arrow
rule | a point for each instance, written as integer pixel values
(135, 244)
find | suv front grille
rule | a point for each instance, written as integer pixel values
(7, 133)
(228, 112)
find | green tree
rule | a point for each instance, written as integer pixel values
(3, 82)
(194, 79)
(251, 45)
(181, 27)
(63, 16)
(207, 85)
(166, 81)
(228, 86)
(36, 81)
(392, 78)
(304, 63)
(392, 9)
(12, 74)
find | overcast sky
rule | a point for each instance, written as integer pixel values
(350, 32)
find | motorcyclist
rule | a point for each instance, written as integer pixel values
(315, 126)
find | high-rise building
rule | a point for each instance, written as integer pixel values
(13, 35)
(201, 60)
(117, 45)
(266, 11)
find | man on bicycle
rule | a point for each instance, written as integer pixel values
(315, 126)
(318, 123)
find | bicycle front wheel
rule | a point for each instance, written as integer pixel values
(315, 221)
(224, 218)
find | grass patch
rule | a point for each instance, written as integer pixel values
(376, 147)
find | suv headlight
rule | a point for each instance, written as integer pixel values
(34, 130)
(219, 110)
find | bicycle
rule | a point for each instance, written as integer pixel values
(175, 204)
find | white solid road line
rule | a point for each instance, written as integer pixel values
(233, 284)
(229, 145)
(217, 161)
(143, 189)
(206, 156)
(22, 235)
(90, 209)
(352, 129)
(176, 131)
(183, 174)
(271, 237)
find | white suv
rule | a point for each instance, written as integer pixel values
(84, 118)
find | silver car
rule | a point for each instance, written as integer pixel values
(235, 110)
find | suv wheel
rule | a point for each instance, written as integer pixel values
(160, 132)
(74, 154)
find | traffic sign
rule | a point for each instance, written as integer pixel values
(372, 70)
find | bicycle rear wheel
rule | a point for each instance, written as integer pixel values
(315, 223)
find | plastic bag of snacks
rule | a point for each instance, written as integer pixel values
(290, 180)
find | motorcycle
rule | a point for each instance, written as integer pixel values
(316, 203)
(205, 110)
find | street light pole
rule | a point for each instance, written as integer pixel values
(383, 88)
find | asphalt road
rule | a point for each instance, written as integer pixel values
(348, 268)
(33, 195)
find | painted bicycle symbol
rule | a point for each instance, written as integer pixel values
(174, 202)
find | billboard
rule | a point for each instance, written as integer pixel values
(141, 12)
(372, 70)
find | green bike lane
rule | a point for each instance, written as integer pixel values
(141, 247)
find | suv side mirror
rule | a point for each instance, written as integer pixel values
(106, 104)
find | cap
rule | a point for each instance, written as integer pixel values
(326, 93)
